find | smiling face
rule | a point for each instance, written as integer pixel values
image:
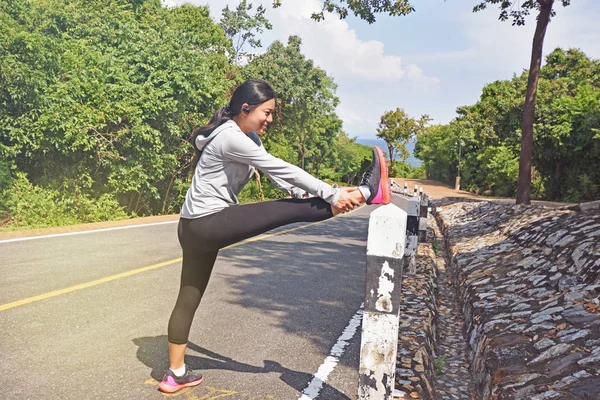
(258, 118)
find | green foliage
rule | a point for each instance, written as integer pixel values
(103, 94)
(305, 107)
(439, 365)
(5, 176)
(405, 170)
(363, 9)
(25, 205)
(349, 160)
(499, 169)
(251, 192)
(436, 148)
(241, 27)
(567, 156)
(396, 128)
(516, 10)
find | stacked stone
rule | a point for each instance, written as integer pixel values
(454, 381)
(416, 336)
(528, 281)
(396, 187)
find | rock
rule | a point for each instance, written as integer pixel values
(551, 394)
(544, 344)
(574, 336)
(528, 272)
(566, 282)
(552, 352)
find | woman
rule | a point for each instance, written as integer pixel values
(211, 218)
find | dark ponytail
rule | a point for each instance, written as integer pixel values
(252, 92)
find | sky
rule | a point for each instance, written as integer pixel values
(429, 62)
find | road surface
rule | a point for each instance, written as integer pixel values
(84, 314)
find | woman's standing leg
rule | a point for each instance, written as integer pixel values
(195, 274)
(196, 268)
(201, 240)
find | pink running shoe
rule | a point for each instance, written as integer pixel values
(376, 178)
(171, 383)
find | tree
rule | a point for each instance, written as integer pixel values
(432, 147)
(241, 27)
(396, 128)
(100, 96)
(566, 163)
(508, 9)
(518, 16)
(305, 109)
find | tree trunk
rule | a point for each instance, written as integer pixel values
(260, 189)
(164, 205)
(391, 153)
(524, 182)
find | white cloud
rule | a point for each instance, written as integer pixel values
(500, 47)
(398, 68)
(367, 77)
(356, 119)
(331, 43)
(336, 48)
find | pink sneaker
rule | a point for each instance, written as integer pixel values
(376, 178)
(171, 383)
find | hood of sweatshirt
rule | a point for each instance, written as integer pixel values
(202, 141)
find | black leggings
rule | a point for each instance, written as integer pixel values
(201, 239)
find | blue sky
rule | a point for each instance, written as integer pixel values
(429, 62)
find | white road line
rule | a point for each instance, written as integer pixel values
(314, 387)
(82, 232)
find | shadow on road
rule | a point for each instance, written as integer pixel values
(153, 352)
(309, 282)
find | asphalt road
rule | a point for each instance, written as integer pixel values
(272, 312)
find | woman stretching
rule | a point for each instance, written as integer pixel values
(211, 218)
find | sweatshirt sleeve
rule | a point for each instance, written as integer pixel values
(295, 192)
(240, 148)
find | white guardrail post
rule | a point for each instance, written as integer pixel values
(379, 342)
(412, 207)
(423, 212)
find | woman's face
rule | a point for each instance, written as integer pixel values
(259, 117)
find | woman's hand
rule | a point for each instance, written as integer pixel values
(349, 198)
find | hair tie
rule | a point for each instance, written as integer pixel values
(228, 108)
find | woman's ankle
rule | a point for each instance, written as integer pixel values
(365, 193)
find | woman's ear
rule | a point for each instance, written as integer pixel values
(245, 108)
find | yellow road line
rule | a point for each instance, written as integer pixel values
(84, 285)
(138, 271)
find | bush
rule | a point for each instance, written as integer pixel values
(586, 190)
(500, 169)
(404, 170)
(24, 205)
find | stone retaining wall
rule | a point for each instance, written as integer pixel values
(416, 336)
(529, 286)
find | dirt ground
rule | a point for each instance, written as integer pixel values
(86, 227)
(437, 190)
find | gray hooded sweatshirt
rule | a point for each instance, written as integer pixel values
(228, 159)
